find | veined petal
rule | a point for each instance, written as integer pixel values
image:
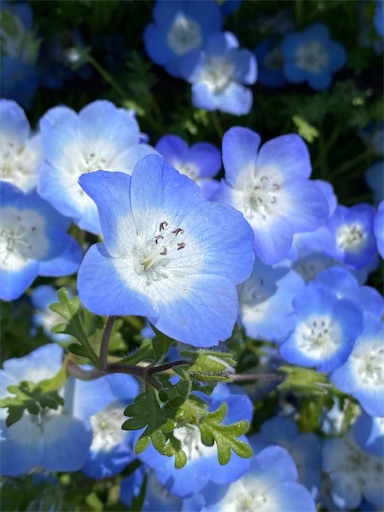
(240, 147)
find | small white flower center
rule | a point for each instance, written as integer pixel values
(217, 74)
(319, 337)
(244, 495)
(184, 34)
(370, 364)
(187, 169)
(191, 443)
(261, 198)
(22, 238)
(350, 237)
(274, 59)
(106, 426)
(19, 164)
(152, 256)
(311, 57)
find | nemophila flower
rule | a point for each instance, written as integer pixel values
(368, 433)
(352, 229)
(265, 302)
(269, 485)
(101, 136)
(270, 63)
(168, 254)
(378, 18)
(42, 297)
(219, 75)
(354, 474)
(200, 162)
(311, 56)
(270, 186)
(20, 152)
(54, 440)
(304, 448)
(362, 374)
(202, 464)
(374, 176)
(378, 229)
(179, 26)
(33, 241)
(325, 329)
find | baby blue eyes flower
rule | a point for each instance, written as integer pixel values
(378, 229)
(168, 254)
(179, 26)
(20, 153)
(312, 56)
(33, 241)
(270, 186)
(217, 74)
(101, 136)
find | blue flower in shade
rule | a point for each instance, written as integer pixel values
(168, 254)
(33, 241)
(311, 56)
(219, 74)
(378, 229)
(368, 433)
(270, 186)
(200, 162)
(269, 484)
(362, 374)
(325, 331)
(101, 136)
(202, 464)
(353, 473)
(42, 297)
(374, 176)
(227, 7)
(20, 152)
(304, 448)
(54, 440)
(352, 229)
(378, 18)
(18, 80)
(265, 301)
(270, 63)
(179, 26)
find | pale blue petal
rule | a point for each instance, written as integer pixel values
(240, 147)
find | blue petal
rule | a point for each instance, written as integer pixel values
(240, 147)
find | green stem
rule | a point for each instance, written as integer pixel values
(217, 124)
(350, 163)
(105, 344)
(107, 77)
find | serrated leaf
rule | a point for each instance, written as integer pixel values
(161, 344)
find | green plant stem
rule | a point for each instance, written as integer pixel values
(350, 163)
(217, 124)
(107, 77)
(105, 343)
(256, 376)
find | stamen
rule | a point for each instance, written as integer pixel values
(178, 231)
(180, 246)
(163, 225)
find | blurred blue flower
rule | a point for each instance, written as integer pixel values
(270, 63)
(325, 331)
(33, 241)
(227, 7)
(368, 433)
(218, 74)
(378, 18)
(167, 253)
(180, 26)
(378, 229)
(42, 297)
(20, 151)
(200, 162)
(311, 56)
(374, 176)
(270, 186)
(101, 136)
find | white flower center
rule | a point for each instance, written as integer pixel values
(19, 164)
(191, 443)
(245, 495)
(350, 237)
(22, 237)
(217, 73)
(187, 169)
(369, 364)
(318, 337)
(106, 426)
(152, 256)
(311, 57)
(274, 59)
(260, 199)
(184, 34)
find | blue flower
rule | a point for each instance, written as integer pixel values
(374, 176)
(378, 19)
(101, 136)
(378, 229)
(200, 162)
(20, 153)
(312, 56)
(202, 464)
(326, 329)
(269, 484)
(54, 440)
(368, 433)
(179, 27)
(270, 62)
(362, 374)
(168, 254)
(42, 297)
(270, 186)
(33, 241)
(218, 73)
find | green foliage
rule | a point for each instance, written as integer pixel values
(33, 397)
(304, 381)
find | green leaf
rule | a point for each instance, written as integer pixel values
(161, 344)
(304, 380)
(307, 131)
